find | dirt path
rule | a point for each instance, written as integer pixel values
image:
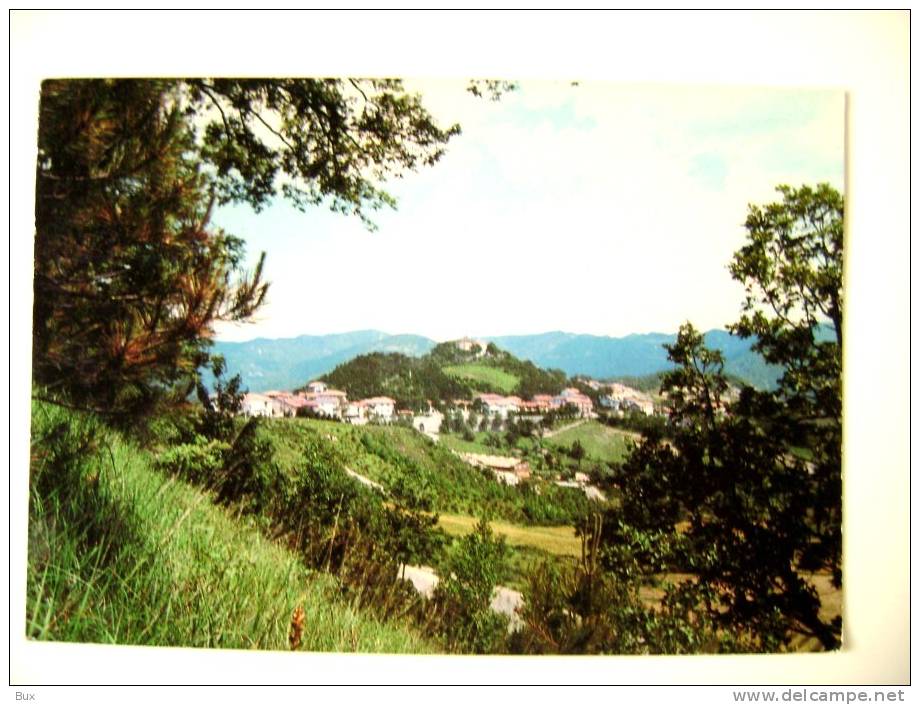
(561, 429)
(363, 480)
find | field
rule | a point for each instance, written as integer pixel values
(557, 540)
(490, 378)
(477, 445)
(600, 442)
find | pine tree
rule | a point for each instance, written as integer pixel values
(130, 277)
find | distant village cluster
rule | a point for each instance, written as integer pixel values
(319, 400)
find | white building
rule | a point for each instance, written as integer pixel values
(497, 405)
(470, 345)
(380, 408)
(574, 397)
(355, 413)
(428, 423)
(259, 405)
(623, 398)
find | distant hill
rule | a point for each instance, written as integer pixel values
(287, 363)
(444, 373)
(634, 355)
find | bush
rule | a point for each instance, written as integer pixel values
(198, 463)
(472, 569)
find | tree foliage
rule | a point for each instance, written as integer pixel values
(411, 381)
(472, 570)
(746, 493)
(333, 140)
(130, 277)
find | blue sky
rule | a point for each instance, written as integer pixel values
(593, 208)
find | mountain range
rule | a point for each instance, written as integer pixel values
(287, 363)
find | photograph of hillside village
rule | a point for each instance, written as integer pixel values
(270, 411)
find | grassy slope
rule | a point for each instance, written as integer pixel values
(497, 380)
(120, 554)
(478, 445)
(600, 442)
(393, 455)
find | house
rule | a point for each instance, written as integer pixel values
(286, 403)
(575, 398)
(428, 423)
(609, 402)
(470, 345)
(324, 402)
(380, 408)
(623, 398)
(496, 405)
(538, 404)
(643, 405)
(506, 469)
(355, 413)
(330, 402)
(259, 405)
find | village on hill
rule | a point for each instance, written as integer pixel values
(494, 410)
(317, 399)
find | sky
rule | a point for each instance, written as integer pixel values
(600, 208)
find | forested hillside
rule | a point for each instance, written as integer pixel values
(446, 373)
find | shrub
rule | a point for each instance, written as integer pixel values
(198, 462)
(471, 571)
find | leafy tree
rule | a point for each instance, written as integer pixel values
(411, 537)
(473, 568)
(313, 140)
(792, 269)
(130, 278)
(225, 453)
(220, 407)
(585, 608)
(755, 482)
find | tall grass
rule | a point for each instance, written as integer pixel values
(119, 553)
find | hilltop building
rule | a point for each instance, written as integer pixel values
(471, 345)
